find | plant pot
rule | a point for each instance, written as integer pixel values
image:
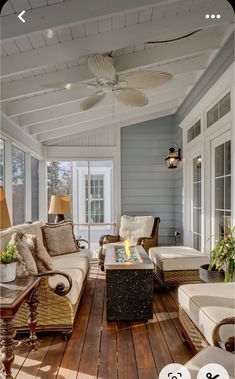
(7, 272)
(208, 276)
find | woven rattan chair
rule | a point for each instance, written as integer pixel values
(146, 242)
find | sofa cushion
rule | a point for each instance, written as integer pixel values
(207, 304)
(76, 261)
(5, 235)
(77, 283)
(211, 354)
(26, 264)
(39, 253)
(171, 258)
(59, 238)
(136, 227)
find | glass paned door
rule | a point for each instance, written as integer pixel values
(93, 200)
(222, 189)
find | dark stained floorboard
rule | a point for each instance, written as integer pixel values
(99, 349)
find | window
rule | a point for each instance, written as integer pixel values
(222, 189)
(218, 110)
(2, 162)
(96, 198)
(197, 181)
(59, 181)
(34, 189)
(194, 131)
(18, 185)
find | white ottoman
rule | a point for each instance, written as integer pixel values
(206, 313)
(211, 354)
(174, 265)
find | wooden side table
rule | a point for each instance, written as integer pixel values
(13, 294)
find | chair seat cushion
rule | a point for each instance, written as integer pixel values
(136, 227)
(171, 258)
(211, 354)
(77, 283)
(207, 304)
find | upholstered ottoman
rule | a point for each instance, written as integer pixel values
(211, 354)
(174, 265)
(207, 314)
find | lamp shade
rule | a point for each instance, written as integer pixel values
(4, 215)
(60, 205)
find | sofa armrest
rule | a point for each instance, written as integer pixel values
(60, 288)
(229, 345)
(107, 238)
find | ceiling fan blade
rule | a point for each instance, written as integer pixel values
(132, 97)
(91, 101)
(102, 67)
(147, 79)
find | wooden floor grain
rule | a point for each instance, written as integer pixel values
(108, 350)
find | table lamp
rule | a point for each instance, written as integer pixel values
(4, 215)
(59, 206)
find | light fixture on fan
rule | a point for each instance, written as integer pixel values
(174, 156)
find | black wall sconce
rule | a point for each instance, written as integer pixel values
(174, 156)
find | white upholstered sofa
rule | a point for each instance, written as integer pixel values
(55, 312)
(207, 314)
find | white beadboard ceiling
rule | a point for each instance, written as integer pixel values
(58, 37)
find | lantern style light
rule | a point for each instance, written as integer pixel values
(174, 156)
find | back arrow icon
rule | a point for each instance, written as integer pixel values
(20, 16)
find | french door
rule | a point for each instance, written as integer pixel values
(93, 199)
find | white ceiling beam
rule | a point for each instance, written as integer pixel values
(107, 41)
(13, 131)
(64, 14)
(178, 83)
(104, 108)
(131, 121)
(30, 86)
(124, 116)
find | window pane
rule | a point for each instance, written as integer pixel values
(227, 194)
(219, 193)
(35, 189)
(197, 169)
(197, 129)
(2, 162)
(59, 182)
(219, 225)
(190, 134)
(224, 105)
(219, 160)
(18, 185)
(197, 221)
(227, 158)
(197, 242)
(212, 115)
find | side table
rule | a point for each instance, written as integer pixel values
(13, 294)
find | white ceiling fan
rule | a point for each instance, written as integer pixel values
(126, 89)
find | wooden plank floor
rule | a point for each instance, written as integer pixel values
(108, 350)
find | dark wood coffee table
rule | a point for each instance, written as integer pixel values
(129, 287)
(13, 294)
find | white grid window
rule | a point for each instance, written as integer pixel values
(96, 198)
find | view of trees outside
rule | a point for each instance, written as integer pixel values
(59, 181)
(2, 161)
(18, 185)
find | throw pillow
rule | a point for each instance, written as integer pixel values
(59, 238)
(26, 265)
(41, 256)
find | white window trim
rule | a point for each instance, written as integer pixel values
(202, 145)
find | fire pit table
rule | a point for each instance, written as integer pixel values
(129, 284)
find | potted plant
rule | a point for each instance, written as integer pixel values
(222, 265)
(8, 264)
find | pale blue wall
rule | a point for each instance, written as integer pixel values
(148, 186)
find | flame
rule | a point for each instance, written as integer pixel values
(127, 247)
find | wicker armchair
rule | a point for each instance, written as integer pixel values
(146, 242)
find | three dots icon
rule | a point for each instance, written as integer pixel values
(213, 16)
